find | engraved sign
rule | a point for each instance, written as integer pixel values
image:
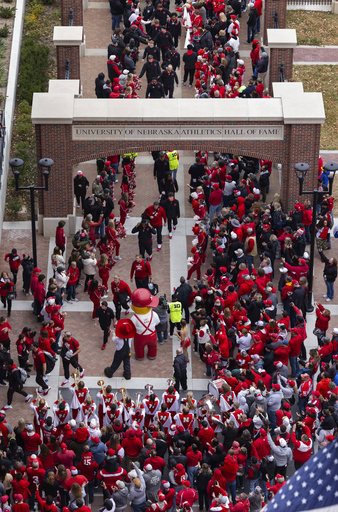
(183, 132)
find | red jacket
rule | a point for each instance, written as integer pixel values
(206, 435)
(132, 446)
(60, 239)
(141, 270)
(14, 261)
(295, 345)
(322, 321)
(43, 505)
(302, 451)
(157, 217)
(73, 274)
(120, 288)
(40, 292)
(230, 468)
(31, 442)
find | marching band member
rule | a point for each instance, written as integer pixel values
(151, 405)
(80, 393)
(61, 413)
(163, 416)
(106, 397)
(172, 399)
(40, 409)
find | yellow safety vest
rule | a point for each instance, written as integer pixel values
(175, 309)
(132, 155)
(173, 160)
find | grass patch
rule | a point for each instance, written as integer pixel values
(323, 79)
(314, 28)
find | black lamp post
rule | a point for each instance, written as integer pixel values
(45, 165)
(301, 170)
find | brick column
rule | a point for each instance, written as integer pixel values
(304, 146)
(270, 7)
(77, 6)
(68, 41)
(281, 43)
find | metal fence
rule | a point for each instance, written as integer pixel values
(2, 143)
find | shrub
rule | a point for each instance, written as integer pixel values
(33, 70)
(24, 108)
(14, 206)
(7, 12)
(4, 31)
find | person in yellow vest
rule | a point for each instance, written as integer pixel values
(175, 315)
(250, 246)
(173, 158)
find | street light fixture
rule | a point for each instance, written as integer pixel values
(301, 170)
(17, 165)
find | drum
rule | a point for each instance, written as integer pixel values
(215, 387)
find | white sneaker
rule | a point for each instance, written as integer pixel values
(46, 391)
(126, 312)
(325, 296)
(82, 374)
(170, 235)
(65, 382)
(75, 300)
(28, 398)
(328, 300)
(5, 407)
(69, 301)
(117, 258)
(77, 206)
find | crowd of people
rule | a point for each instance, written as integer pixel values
(211, 62)
(269, 401)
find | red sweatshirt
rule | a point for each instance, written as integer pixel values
(31, 441)
(302, 451)
(73, 274)
(157, 217)
(141, 270)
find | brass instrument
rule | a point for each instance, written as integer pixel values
(38, 396)
(217, 421)
(123, 392)
(100, 383)
(206, 402)
(76, 377)
(171, 382)
(138, 400)
(60, 397)
(149, 388)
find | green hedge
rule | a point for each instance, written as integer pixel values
(33, 70)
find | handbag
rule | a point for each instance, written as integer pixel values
(318, 332)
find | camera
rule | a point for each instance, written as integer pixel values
(163, 301)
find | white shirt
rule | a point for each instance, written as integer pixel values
(119, 342)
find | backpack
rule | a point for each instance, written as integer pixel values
(50, 362)
(23, 375)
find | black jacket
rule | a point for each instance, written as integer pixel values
(330, 271)
(155, 90)
(151, 70)
(172, 209)
(99, 83)
(14, 378)
(182, 293)
(189, 59)
(163, 40)
(117, 7)
(144, 233)
(252, 17)
(80, 182)
(161, 168)
(180, 365)
(168, 79)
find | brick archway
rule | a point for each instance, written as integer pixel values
(265, 131)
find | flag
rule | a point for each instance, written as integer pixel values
(314, 487)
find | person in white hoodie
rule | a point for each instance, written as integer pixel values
(61, 281)
(89, 267)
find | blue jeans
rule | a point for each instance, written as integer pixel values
(174, 173)
(99, 230)
(302, 402)
(329, 289)
(272, 418)
(258, 25)
(250, 260)
(307, 234)
(138, 508)
(160, 337)
(253, 484)
(115, 21)
(294, 365)
(192, 472)
(250, 33)
(231, 488)
(214, 208)
(226, 200)
(71, 291)
(90, 489)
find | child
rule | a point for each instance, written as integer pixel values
(103, 270)
(73, 275)
(60, 238)
(172, 210)
(14, 263)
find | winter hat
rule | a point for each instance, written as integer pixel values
(4, 498)
(258, 490)
(73, 470)
(29, 427)
(161, 496)
(276, 387)
(335, 330)
(165, 484)
(63, 447)
(148, 467)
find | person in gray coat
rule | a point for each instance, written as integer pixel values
(162, 327)
(262, 66)
(137, 489)
(119, 495)
(281, 452)
(152, 478)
